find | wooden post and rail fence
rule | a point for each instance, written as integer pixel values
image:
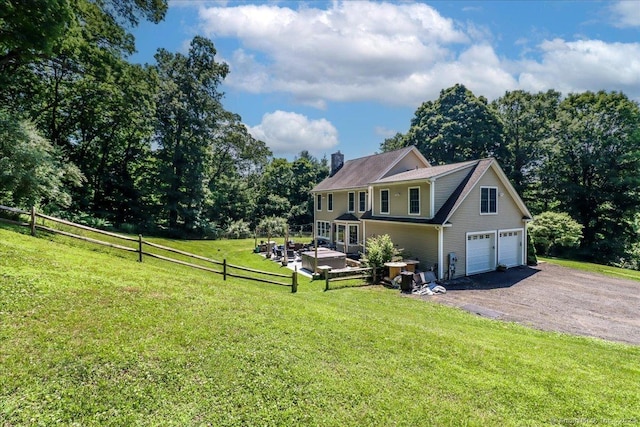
(369, 275)
(140, 242)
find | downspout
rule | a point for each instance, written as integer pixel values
(432, 197)
(525, 246)
(440, 252)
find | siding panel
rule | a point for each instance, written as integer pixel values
(467, 218)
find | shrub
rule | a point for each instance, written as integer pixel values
(551, 230)
(532, 259)
(238, 230)
(380, 249)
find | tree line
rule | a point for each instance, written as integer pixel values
(578, 155)
(88, 135)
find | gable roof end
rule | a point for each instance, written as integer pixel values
(470, 181)
(361, 172)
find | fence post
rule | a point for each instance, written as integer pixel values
(373, 272)
(224, 269)
(294, 281)
(33, 220)
(139, 247)
(326, 280)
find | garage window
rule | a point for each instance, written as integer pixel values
(488, 200)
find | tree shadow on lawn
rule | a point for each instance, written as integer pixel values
(492, 279)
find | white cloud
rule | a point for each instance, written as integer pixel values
(626, 13)
(584, 65)
(402, 54)
(351, 51)
(288, 133)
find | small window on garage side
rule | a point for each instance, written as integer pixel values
(488, 200)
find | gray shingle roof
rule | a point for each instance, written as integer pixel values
(358, 173)
(425, 173)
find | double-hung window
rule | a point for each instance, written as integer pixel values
(488, 200)
(362, 201)
(351, 207)
(414, 201)
(384, 201)
(353, 234)
(319, 202)
(330, 202)
(323, 229)
(340, 233)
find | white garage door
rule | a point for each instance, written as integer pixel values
(480, 253)
(510, 248)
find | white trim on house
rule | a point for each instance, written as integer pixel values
(489, 211)
(365, 201)
(388, 201)
(349, 208)
(326, 228)
(440, 252)
(432, 197)
(409, 201)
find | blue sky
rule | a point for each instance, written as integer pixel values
(344, 75)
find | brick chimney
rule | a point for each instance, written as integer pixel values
(337, 160)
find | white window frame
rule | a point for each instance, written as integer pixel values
(330, 202)
(319, 202)
(323, 229)
(388, 201)
(351, 207)
(349, 227)
(344, 232)
(409, 201)
(489, 188)
(362, 200)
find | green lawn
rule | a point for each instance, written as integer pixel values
(620, 273)
(89, 336)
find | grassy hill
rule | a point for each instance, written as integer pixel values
(92, 337)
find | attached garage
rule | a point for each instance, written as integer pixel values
(481, 250)
(510, 247)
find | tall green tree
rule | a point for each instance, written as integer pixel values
(31, 170)
(189, 116)
(70, 76)
(458, 126)
(528, 120)
(595, 165)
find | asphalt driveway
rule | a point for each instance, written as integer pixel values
(553, 298)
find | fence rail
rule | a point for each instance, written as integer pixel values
(368, 275)
(293, 283)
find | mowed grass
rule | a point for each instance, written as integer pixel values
(620, 273)
(88, 337)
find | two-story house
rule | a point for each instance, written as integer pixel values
(458, 219)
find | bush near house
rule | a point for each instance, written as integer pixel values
(380, 249)
(554, 230)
